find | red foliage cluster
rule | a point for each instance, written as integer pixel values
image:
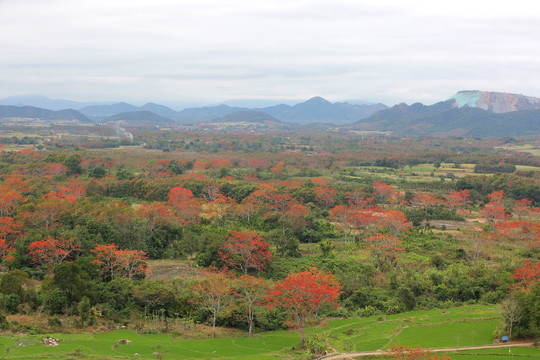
(273, 204)
(214, 293)
(301, 295)
(384, 192)
(56, 169)
(114, 261)
(519, 230)
(245, 250)
(459, 200)
(425, 201)
(52, 251)
(384, 247)
(74, 191)
(324, 193)
(401, 352)
(354, 218)
(184, 204)
(526, 275)
(9, 200)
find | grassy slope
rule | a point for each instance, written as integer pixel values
(434, 328)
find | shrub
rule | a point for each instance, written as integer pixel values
(11, 303)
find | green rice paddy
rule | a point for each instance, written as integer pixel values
(470, 325)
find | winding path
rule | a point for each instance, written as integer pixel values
(356, 355)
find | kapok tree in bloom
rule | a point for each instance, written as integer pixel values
(214, 293)
(106, 259)
(52, 251)
(526, 275)
(245, 250)
(114, 261)
(384, 247)
(301, 295)
(132, 263)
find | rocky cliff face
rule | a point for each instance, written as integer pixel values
(496, 102)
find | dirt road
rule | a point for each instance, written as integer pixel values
(357, 355)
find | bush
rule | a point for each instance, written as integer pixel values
(11, 303)
(54, 322)
(84, 309)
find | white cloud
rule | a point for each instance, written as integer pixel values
(215, 50)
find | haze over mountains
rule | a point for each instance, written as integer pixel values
(315, 110)
(467, 113)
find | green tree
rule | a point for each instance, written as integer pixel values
(56, 301)
(528, 325)
(11, 303)
(73, 163)
(14, 282)
(67, 276)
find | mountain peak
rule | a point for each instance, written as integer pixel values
(317, 100)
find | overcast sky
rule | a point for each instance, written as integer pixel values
(169, 51)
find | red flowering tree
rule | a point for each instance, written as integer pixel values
(52, 251)
(184, 204)
(56, 169)
(45, 214)
(518, 230)
(494, 212)
(526, 275)
(324, 193)
(383, 191)
(157, 214)
(5, 249)
(460, 199)
(245, 250)
(71, 193)
(384, 247)
(219, 209)
(10, 230)
(106, 259)
(302, 294)
(393, 220)
(425, 201)
(131, 263)
(114, 261)
(9, 200)
(342, 215)
(214, 293)
(522, 207)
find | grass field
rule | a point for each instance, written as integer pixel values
(437, 328)
(527, 148)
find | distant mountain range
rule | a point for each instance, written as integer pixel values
(315, 110)
(467, 113)
(248, 116)
(8, 111)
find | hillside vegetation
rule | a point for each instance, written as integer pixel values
(198, 235)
